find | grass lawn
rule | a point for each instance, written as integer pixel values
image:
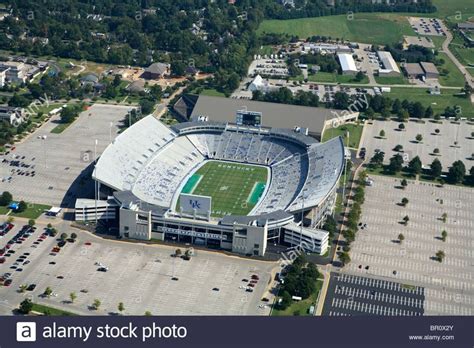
(234, 188)
(302, 307)
(392, 80)
(355, 132)
(453, 77)
(437, 102)
(33, 211)
(4, 210)
(448, 8)
(60, 128)
(51, 310)
(373, 28)
(463, 54)
(335, 78)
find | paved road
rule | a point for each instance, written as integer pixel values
(465, 72)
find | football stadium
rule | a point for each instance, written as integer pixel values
(237, 187)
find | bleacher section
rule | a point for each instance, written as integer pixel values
(158, 181)
(123, 160)
(326, 162)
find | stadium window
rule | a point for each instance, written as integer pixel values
(126, 228)
(256, 246)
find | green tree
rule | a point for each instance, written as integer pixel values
(404, 183)
(48, 291)
(96, 304)
(444, 217)
(73, 236)
(344, 258)
(63, 236)
(401, 238)
(436, 168)
(396, 163)
(382, 133)
(178, 252)
(23, 288)
(121, 307)
(456, 172)
(148, 314)
(419, 138)
(26, 306)
(31, 222)
(414, 166)
(377, 158)
(22, 206)
(404, 201)
(6, 198)
(440, 255)
(406, 219)
(72, 296)
(444, 235)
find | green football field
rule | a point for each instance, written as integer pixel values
(235, 188)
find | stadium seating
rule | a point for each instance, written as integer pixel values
(153, 161)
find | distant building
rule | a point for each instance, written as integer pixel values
(390, 67)
(3, 76)
(89, 79)
(413, 71)
(16, 72)
(466, 26)
(430, 70)
(348, 64)
(11, 114)
(156, 71)
(423, 70)
(136, 86)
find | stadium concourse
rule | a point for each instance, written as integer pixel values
(219, 185)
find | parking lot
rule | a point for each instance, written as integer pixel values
(141, 276)
(355, 295)
(44, 167)
(377, 251)
(449, 133)
(427, 26)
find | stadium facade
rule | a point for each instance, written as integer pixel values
(142, 174)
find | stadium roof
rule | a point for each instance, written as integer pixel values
(273, 114)
(347, 62)
(387, 61)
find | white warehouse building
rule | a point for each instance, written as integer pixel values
(390, 67)
(348, 64)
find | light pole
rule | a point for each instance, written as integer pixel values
(95, 181)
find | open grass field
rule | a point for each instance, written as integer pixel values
(235, 188)
(463, 54)
(453, 77)
(33, 211)
(374, 28)
(336, 78)
(437, 102)
(451, 8)
(392, 80)
(355, 132)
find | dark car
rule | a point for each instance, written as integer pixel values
(31, 287)
(215, 289)
(249, 290)
(102, 269)
(7, 282)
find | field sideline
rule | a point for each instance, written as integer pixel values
(235, 188)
